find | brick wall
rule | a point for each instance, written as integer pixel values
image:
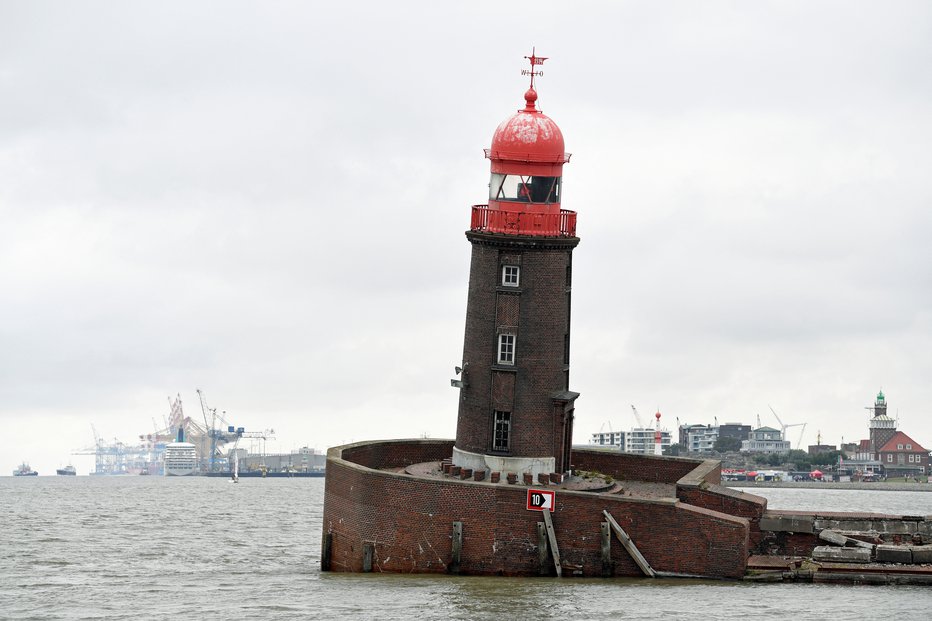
(538, 313)
(634, 467)
(409, 523)
(395, 453)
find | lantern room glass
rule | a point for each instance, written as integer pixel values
(524, 189)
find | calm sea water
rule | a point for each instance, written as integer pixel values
(140, 548)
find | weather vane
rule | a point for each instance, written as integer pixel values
(535, 60)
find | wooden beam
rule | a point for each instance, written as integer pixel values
(629, 546)
(368, 551)
(606, 536)
(457, 547)
(552, 536)
(543, 550)
(326, 552)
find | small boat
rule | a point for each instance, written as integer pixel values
(235, 477)
(25, 471)
(67, 471)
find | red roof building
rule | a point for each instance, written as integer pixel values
(903, 456)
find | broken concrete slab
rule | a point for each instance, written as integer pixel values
(841, 539)
(787, 523)
(841, 555)
(894, 554)
(922, 554)
(833, 537)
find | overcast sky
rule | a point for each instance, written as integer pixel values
(267, 201)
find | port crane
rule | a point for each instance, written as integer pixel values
(784, 427)
(637, 417)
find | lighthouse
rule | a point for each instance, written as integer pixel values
(515, 407)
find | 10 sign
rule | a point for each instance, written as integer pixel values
(541, 500)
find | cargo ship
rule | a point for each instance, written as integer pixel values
(25, 471)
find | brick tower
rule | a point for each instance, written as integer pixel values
(515, 408)
(882, 427)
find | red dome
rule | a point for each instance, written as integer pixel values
(528, 136)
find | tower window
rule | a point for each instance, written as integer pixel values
(501, 424)
(510, 275)
(506, 348)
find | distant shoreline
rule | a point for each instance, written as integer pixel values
(877, 486)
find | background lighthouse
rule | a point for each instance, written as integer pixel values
(515, 408)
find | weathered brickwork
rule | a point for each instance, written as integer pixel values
(537, 312)
(409, 522)
(633, 467)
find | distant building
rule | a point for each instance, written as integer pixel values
(636, 440)
(304, 459)
(641, 441)
(684, 433)
(897, 453)
(608, 438)
(701, 439)
(820, 449)
(903, 456)
(849, 449)
(765, 440)
(734, 430)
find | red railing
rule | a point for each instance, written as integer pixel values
(561, 224)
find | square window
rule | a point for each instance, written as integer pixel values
(899, 447)
(506, 348)
(909, 447)
(501, 430)
(510, 275)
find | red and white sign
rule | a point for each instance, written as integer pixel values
(541, 500)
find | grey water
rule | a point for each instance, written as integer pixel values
(139, 548)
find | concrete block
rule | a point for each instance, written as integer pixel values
(824, 524)
(922, 554)
(895, 527)
(894, 554)
(924, 528)
(833, 538)
(787, 524)
(841, 555)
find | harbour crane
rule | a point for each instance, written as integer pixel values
(637, 417)
(218, 430)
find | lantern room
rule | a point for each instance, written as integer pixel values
(527, 157)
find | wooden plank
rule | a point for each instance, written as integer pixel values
(552, 537)
(327, 551)
(368, 551)
(606, 536)
(457, 547)
(629, 546)
(543, 550)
